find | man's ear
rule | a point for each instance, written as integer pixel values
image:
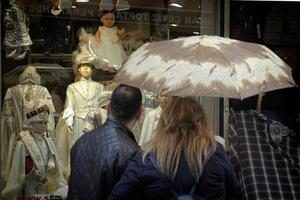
(139, 113)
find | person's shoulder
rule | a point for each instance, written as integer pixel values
(87, 138)
(122, 141)
(220, 151)
(72, 85)
(138, 159)
(218, 158)
(218, 155)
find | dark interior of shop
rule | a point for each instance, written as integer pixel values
(276, 25)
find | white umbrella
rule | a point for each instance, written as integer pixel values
(205, 66)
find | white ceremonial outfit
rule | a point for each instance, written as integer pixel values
(82, 98)
(46, 174)
(149, 125)
(82, 101)
(18, 101)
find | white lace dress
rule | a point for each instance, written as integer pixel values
(109, 50)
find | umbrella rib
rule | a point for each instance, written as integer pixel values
(212, 70)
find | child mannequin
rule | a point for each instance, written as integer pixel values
(82, 98)
(106, 43)
(35, 166)
(82, 101)
(19, 100)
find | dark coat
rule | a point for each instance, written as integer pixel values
(142, 181)
(98, 160)
(54, 28)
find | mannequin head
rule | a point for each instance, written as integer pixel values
(85, 70)
(55, 4)
(108, 19)
(162, 100)
(29, 76)
(38, 119)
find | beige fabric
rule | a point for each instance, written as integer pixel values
(149, 125)
(205, 66)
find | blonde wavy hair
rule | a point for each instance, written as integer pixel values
(182, 130)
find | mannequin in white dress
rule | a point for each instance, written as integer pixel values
(107, 45)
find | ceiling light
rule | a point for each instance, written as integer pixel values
(174, 25)
(82, 1)
(177, 3)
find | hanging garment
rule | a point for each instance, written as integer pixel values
(16, 39)
(54, 24)
(265, 157)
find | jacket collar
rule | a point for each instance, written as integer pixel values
(111, 121)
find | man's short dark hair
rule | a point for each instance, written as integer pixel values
(125, 102)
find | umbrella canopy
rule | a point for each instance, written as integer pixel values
(205, 66)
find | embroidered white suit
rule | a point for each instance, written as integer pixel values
(82, 98)
(46, 174)
(82, 101)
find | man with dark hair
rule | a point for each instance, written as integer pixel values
(99, 157)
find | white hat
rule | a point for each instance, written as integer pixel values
(40, 114)
(83, 58)
(30, 75)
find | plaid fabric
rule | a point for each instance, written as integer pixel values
(265, 157)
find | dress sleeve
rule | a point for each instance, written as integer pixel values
(130, 183)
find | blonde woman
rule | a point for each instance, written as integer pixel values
(182, 158)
